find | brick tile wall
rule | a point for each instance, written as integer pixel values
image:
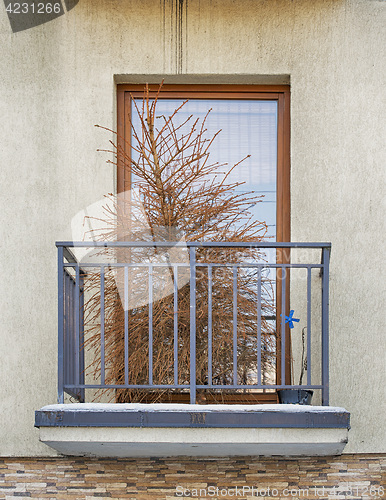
(353, 476)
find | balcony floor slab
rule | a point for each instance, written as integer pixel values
(162, 430)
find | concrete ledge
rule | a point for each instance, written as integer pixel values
(183, 415)
(162, 430)
(205, 78)
(156, 442)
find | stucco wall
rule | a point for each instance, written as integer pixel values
(57, 81)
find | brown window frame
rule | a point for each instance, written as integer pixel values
(279, 93)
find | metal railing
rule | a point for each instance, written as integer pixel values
(73, 271)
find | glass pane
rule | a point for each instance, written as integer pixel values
(248, 127)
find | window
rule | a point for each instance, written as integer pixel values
(254, 120)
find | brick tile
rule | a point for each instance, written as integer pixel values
(156, 479)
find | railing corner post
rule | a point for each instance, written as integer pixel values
(325, 325)
(193, 390)
(60, 326)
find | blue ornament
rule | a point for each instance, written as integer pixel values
(290, 319)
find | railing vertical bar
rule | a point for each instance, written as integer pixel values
(150, 324)
(309, 269)
(325, 326)
(71, 343)
(192, 252)
(235, 325)
(68, 328)
(126, 324)
(60, 326)
(70, 340)
(77, 323)
(283, 311)
(102, 295)
(210, 334)
(259, 346)
(81, 392)
(175, 274)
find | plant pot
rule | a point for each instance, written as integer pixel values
(295, 396)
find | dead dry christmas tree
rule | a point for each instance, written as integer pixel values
(177, 195)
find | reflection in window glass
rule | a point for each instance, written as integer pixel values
(248, 127)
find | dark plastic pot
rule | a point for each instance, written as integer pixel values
(295, 396)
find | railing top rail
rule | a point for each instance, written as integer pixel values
(69, 255)
(198, 244)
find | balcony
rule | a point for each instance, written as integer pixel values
(198, 339)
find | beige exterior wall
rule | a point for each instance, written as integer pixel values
(59, 79)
